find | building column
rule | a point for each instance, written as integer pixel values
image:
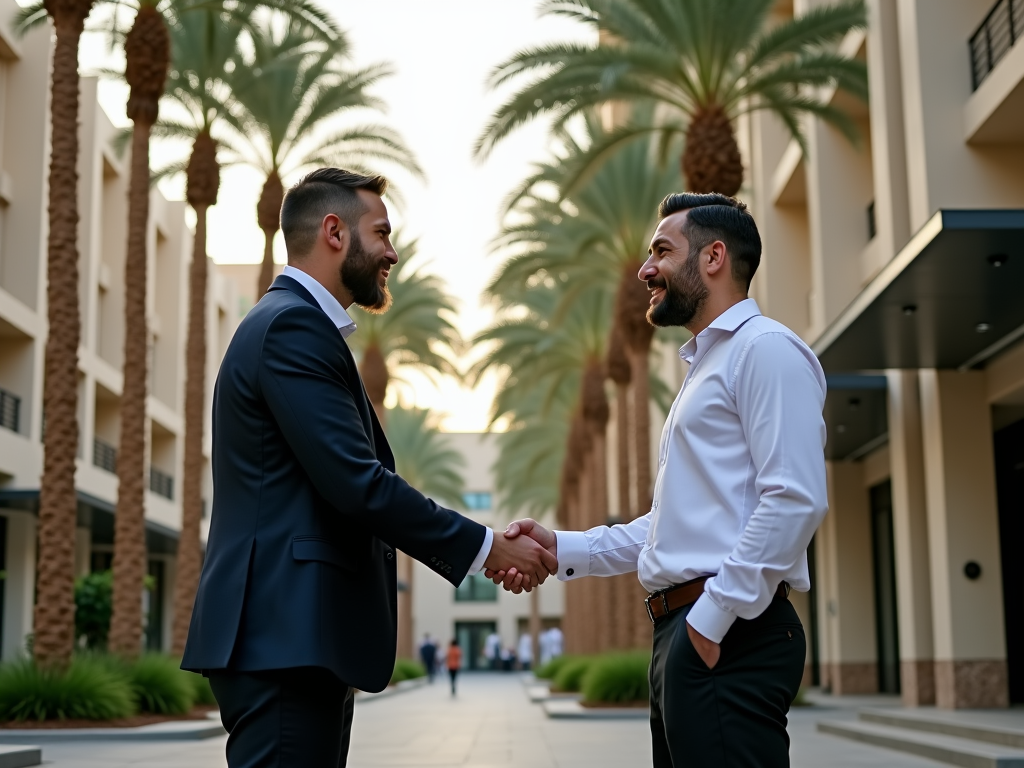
(846, 595)
(910, 531)
(963, 534)
(19, 585)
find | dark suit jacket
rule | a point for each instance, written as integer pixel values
(300, 569)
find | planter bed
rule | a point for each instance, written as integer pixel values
(199, 712)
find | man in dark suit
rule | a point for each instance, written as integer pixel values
(296, 606)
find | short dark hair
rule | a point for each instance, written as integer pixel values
(713, 217)
(317, 194)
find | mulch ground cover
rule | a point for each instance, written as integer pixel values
(197, 713)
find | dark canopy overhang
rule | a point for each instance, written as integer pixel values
(952, 298)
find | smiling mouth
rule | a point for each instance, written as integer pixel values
(656, 295)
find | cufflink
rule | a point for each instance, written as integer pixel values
(570, 572)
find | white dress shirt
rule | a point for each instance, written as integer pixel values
(740, 487)
(347, 326)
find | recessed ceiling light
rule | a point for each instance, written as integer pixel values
(998, 259)
(982, 327)
(840, 428)
(854, 402)
(909, 309)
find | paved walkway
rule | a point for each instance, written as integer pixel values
(489, 724)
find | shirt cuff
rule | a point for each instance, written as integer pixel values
(710, 620)
(485, 550)
(573, 555)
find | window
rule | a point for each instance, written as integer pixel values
(476, 589)
(477, 501)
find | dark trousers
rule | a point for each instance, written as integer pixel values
(287, 718)
(732, 716)
(454, 675)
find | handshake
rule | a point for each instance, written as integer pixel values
(522, 557)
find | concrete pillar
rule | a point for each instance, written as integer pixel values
(19, 586)
(802, 604)
(963, 527)
(846, 596)
(910, 531)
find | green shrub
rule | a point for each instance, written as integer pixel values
(550, 669)
(160, 686)
(570, 676)
(617, 678)
(92, 608)
(89, 689)
(407, 669)
(202, 693)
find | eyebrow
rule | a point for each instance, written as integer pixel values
(659, 242)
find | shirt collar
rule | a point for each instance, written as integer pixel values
(330, 305)
(728, 321)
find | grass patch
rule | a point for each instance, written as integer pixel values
(90, 689)
(202, 693)
(407, 669)
(570, 676)
(617, 678)
(160, 686)
(550, 669)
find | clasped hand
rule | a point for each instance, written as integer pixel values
(523, 557)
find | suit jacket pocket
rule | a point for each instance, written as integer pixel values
(314, 548)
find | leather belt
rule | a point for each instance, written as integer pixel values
(665, 601)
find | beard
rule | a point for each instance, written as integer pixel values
(360, 274)
(684, 295)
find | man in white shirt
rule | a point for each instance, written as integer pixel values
(740, 490)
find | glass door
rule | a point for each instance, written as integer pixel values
(472, 635)
(884, 551)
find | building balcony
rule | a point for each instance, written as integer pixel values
(161, 483)
(104, 455)
(10, 411)
(998, 33)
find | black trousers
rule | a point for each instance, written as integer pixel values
(732, 716)
(286, 718)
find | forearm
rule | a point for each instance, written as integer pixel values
(601, 551)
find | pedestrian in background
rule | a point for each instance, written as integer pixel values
(428, 655)
(525, 651)
(454, 661)
(492, 650)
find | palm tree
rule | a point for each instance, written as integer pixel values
(699, 63)
(54, 614)
(602, 239)
(204, 46)
(424, 457)
(544, 350)
(287, 90)
(416, 332)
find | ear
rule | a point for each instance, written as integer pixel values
(715, 258)
(335, 232)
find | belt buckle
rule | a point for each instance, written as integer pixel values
(650, 613)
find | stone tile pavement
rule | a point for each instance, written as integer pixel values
(489, 724)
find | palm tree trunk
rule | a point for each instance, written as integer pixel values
(405, 606)
(711, 160)
(54, 614)
(203, 183)
(374, 371)
(641, 429)
(189, 554)
(268, 214)
(147, 53)
(535, 627)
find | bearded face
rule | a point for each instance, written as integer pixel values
(685, 294)
(361, 274)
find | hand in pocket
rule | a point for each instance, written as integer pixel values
(708, 651)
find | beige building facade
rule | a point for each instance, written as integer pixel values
(103, 205)
(478, 607)
(900, 260)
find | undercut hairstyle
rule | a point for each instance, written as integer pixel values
(713, 217)
(318, 194)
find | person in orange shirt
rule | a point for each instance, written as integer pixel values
(454, 661)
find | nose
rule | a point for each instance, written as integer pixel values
(391, 255)
(648, 270)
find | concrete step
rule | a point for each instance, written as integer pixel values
(946, 723)
(20, 756)
(945, 749)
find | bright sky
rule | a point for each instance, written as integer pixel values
(442, 51)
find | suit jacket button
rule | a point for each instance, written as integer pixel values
(391, 556)
(570, 572)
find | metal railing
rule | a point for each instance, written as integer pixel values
(161, 483)
(104, 455)
(10, 411)
(1002, 27)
